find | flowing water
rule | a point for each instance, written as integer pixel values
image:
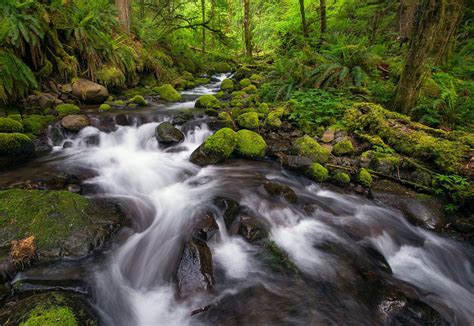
(346, 249)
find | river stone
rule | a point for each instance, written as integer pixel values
(278, 190)
(167, 134)
(295, 162)
(206, 228)
(15, 148)
(230, 210)
(50, 308)
(194, 272)
(252, 229)
(328, 136)
(89, 92)
(75, 122)
(202, 157)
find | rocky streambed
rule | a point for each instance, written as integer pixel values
(141, 217)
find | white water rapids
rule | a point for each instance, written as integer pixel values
(136, 284)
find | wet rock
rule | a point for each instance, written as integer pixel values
(278, 190)
(194, 272)
(89, 92)
(182, 117)
(15, 148)
(123, 120)
(464, 225)
(328, 136)
(75, 122)
(295, 162)
(230, 210)
(252, 229)
(42, 101)
(49, 308)
(206, 228)
(167, 134)
(68, 144)
(202, 158)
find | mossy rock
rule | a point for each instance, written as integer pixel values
(341, 179)
(15, 148)
(48, 309)
(168, 93)
(208, 102)
(274, 118)
(35, 124)
(217, 148)
(317, 172)
(226, 118)
(250, 144)
(188, 76)
(342, 148)
(308, 147)
(119, 103)
(245, 83)
(111, 76)
(256, 78)
(227, 85)
(67, 109)
(202, 81)
(105, 107)
(211, 112)
(251, 89)
(64, 224)
(219, 94)
(9, 125)
(364, 178)
(263, 109)
(16, 116)
(139, 100)
(248, 120)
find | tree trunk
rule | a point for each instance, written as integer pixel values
(303, 19)
(247, 33)
(203, 12)
(322, 8)
(429, 16)
(123, 11)
(406, 18)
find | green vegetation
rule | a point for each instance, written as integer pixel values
(227, 85)
(10, 125)
(139, 100)
(15, 144)
(341, 179)
(60, 316)
(34, 124)
(67, 109)
(222, 142)
(307, 146)
(168, 93)
(208, 102)
(249, 120)
(344, 147)
(105, 107)
(364, 178)
(317, 172)
(250, 144)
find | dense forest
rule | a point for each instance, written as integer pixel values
(236, 162)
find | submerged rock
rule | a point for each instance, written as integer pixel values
(206, 228)
(278, 190)
(252, 228)
(167, 134)
(75, 122)
(194, 272)
(89, 92)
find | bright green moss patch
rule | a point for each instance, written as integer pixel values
(256, 78)
(168, 93)
(111, 76)
(364, 178)
(105, 107)
(139, 100)
(52, 316)
(227, 85)
(248, 120)
(263, 109)
(274, 118)
(119, 102)
(317, 172)
(223, 142)
(208, 101)
(250, 144)
(15, 116)
(250, 89)
(35, 123)
(245, 82)
(342, 179)
(307, 146)
(188, 76)
(10, 125)
(344, 147)
(67, 109)
(202, 81)
(56, 216)
(15, 144)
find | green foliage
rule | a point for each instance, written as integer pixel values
(453, 186)
(249, 120)
(307, 146)
(318, 172)
(168, 93)
(14, 143)
(227, 85)
(344, 147)
(274, 118)
(105, 107)
(341, 179)
(139, 100)
(10, 125)
(222, 142)
(364, 178)
(67, 109)
(16, 78)
(34, 124)
(250, 144)
(52, 316)
(245, 83)
(208, 101)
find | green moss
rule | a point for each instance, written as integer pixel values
(202, 81)
(256, 78)
(15, 116)
(208, 101)
(67, 109)
(10, 125)
(111, 76)
(35, 123)
(245, 83)
(274, 118)
(279, 257)
(344, 147)
(139, 100)
(105, 107)
(238, 95)
(211, 112)
(318, 172)
(51, 316)
(307, 146)
(119, 103)
(248, 120)
(219, 94)
(342, 179)
(364, 178)
(223, 142)
(227, 85)
(250, 144)
(188, 76)
(168, 93)
(263, 109)
(14, 143)
(250, 89)
(57, 216)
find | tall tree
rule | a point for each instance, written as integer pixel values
(123, 11)
(322, 8)
(203, 13)
(247, 32)
(303, 19)
(429, 16)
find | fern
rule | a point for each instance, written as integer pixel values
(16, 78)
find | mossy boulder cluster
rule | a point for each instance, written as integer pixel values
(208, 102)
(227, 85)
(308, 147)
(249, 120)
(250, 144)
(67, 109)
(168, 93)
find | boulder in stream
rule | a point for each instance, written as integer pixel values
(15, 148)
(216, 148)
(278, 190)
(75, 122)
(167, 134)
(89, 92)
